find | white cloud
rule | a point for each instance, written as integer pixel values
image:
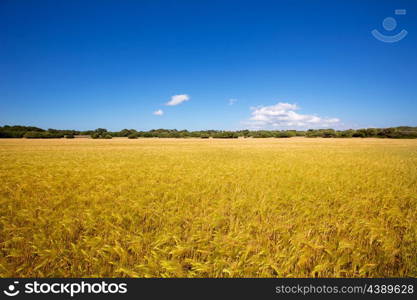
(232, 101)
(158, 112)
(285, 115)
(177, 99)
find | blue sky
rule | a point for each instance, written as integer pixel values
(288, 64)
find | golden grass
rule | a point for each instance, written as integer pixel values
(208, 208)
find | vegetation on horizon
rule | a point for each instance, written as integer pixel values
(101, 133)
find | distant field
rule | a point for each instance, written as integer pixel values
(294, 207)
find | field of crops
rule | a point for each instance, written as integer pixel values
(294, 207)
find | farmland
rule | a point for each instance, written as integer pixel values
(294, 207)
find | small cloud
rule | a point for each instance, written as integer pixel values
(158, 112)
(232, 101)
(177, 99)
(285, 115)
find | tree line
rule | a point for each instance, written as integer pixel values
(32, 132)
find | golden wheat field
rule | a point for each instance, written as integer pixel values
(208, 208)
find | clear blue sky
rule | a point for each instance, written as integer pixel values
(112, 64)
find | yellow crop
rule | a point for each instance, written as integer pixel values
(208, 208)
